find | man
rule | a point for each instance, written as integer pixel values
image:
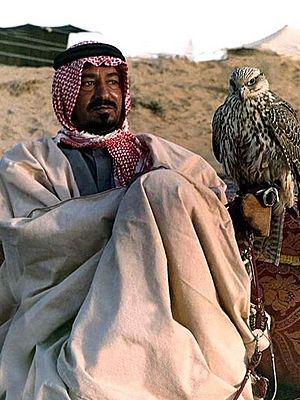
(122, 278)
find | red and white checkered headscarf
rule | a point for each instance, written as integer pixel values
(129, 155)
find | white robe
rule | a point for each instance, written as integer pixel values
(136, 293)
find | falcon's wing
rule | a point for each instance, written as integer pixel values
(217, 132)
(286, 128)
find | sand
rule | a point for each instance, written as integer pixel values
(172, 97)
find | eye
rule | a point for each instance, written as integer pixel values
(251, 82)
(114, 82)
(86, 85)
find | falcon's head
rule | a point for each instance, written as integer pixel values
(247, 82)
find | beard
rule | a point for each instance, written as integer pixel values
(99, 126)
(101, 117)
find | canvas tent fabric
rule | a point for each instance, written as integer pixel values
(285, 41)
(32, 45)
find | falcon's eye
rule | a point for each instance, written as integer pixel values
(251, 82)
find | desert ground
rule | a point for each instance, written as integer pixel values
(171, 97)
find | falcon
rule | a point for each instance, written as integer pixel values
(256, 137)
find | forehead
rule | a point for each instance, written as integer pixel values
(89, 69)
(245, 73)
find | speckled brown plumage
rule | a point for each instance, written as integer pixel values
(256, 136)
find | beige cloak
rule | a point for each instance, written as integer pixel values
(136, 293)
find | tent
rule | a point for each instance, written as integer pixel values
(285, 41)
(31, 45)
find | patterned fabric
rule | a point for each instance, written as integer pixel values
(278, 267)
(129, 155)
(281, 286)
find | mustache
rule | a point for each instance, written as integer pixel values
(101, 102)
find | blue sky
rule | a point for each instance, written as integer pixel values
(161, 25)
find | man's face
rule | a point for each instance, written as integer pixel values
(98, 108)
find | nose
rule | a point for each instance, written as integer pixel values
(101, 89)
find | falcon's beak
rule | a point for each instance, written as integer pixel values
(243, 93)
